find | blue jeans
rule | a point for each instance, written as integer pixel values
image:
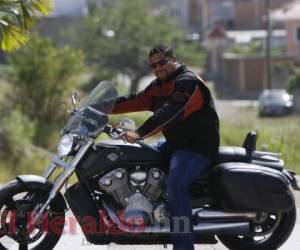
(185, 167)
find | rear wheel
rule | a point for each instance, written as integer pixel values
(267, 234)
(16, 205)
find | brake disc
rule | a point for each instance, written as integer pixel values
(14, 223)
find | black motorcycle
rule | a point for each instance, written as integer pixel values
(245, 200)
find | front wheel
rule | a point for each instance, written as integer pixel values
(268, 234)
(17, 202)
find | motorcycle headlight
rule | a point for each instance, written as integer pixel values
(65, 145)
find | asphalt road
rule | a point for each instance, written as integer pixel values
(73, 239)
(77, 241)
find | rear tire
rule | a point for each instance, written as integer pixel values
(46, 237)
(272, 242)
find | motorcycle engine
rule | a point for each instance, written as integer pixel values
(136, 192)
(139, 210)
(161, 214)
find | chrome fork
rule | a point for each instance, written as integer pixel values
(69, 169)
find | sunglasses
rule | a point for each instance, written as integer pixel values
(161, 62)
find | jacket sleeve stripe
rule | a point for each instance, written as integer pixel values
(190, 105)
(133, 102)
(195, 103)
(131, 105)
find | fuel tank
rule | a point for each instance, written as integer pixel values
(107, 154)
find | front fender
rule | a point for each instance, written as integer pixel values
(35, 182)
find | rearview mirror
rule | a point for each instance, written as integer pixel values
(75, 98)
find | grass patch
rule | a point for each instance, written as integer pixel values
(280, 134)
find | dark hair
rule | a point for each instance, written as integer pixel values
(162, 48)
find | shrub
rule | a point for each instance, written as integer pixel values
(294, 81)
(43, 78)
(16, 133)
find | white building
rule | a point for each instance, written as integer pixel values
(73, 8)
(69, 8)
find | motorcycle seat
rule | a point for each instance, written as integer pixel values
(239, 154)
(233, 154)
(226, 154)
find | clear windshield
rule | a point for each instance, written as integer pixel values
(91, 118)
(102, 97)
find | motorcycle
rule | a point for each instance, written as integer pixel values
(245, 200)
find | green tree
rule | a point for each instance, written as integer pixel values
(17, 17)
(44, 77)
(118, 37)
(294, 81)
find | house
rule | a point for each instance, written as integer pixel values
(243, 74)
(289, 16)
(250, 14)
(244, 37)
(217, 12)
(64, 21)
(200, 16)
(187, 13)
(236, 14)
(74, 8)
(69, 8)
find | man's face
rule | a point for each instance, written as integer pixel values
(162, 66)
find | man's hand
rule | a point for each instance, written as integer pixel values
(130, 136)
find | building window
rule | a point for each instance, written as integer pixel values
(298, 35)
(175, 12)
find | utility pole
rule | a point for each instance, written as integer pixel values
(268, 61)
(257, 15)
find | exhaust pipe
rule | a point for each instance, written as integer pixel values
(241, 228)
(222, 228)
(206, 214)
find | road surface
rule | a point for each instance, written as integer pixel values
(77, 241)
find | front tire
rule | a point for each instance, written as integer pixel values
(16, 203)
(271, 241)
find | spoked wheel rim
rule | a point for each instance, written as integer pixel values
(273, 230)
(262, 229)
(15, 213)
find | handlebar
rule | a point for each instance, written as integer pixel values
(109, 130)
(116, 133)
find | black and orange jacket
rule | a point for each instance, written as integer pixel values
(183, 110)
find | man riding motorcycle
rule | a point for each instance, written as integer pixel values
(185, 113)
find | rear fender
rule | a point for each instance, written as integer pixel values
(295, 183)
(35, 182)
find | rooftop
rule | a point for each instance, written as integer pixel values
(287, 12)
(217, 32)
(245, 36)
